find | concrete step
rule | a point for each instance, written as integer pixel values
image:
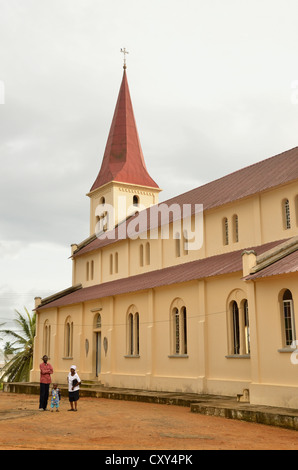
(91, 383)
(232, 409)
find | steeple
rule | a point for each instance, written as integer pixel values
(123, 159)
(123, 176)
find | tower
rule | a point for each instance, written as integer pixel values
(123, 174)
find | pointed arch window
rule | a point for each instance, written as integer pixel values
(288, 318)
(246, 328)
(141, 255)
(235, 228)
(225, 228)
(68, 338)
(136, 201)
(185, 242)
(111, 264)
(177, 245)
(148, 254)
(178, 329)
(98, 321)
(236, 328)
(47, 338)
(116, 262)
(133, 332)
(286, 214)
(145, 254)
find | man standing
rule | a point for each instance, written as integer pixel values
(45, 379)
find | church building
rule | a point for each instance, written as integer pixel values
(149, 309)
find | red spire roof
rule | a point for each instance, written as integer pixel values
(123, 160)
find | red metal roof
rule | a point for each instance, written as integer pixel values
(262, 176)
(123, 159)
(204, 268)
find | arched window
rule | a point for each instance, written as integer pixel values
(238, 324)
(105, 221)
(133, 332)
(184, 330)
(87, 270)
(235, 228)
(102, 201)
(246, 328)
(176, 324)
(288, 318)
(185, 242)
(130, 334)
(111, 264)
(147, 253)
(116, 262)
(178, 328)
(225, 227)
(286, 214)
(236, 328)
(137, 334)
(136, 201)
(98, 321)
(178, 245)
(68, 338)
(141, 255)
(102, 220)
(92, 270)
(46, 338)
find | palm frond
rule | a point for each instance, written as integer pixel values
(18, 368)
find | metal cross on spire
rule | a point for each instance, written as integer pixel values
(124, 52)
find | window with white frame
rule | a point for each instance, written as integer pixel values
(288, 318)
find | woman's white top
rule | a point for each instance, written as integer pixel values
(70, 378)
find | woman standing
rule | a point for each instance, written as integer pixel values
(74, 383)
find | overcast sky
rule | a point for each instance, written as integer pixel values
(213, 90)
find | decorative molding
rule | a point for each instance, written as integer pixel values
(136, 191)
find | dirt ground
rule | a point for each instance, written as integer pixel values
(102, 424)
